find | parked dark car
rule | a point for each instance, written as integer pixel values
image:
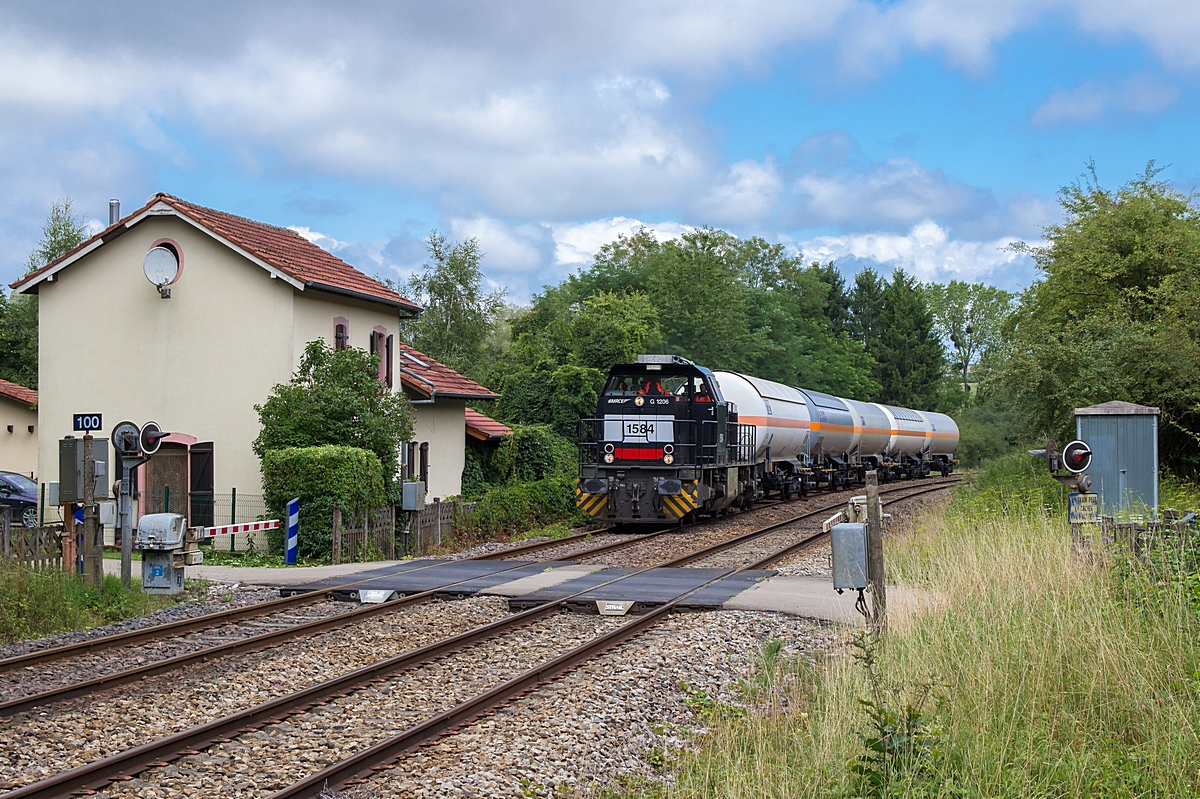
(20, 493)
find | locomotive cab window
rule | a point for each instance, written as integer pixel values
(646, 385)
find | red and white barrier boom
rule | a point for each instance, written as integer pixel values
(247, 527)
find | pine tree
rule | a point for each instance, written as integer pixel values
(909, 353)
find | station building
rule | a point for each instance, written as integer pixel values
(18, 429)
(245, 300)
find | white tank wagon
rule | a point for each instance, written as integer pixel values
(780, 413)
(672, 439)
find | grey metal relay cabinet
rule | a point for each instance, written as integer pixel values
(1123, 438)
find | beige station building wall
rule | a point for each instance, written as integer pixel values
(199, 362)
(18, 445)
(443, 425)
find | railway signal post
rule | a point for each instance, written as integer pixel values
(878, 586)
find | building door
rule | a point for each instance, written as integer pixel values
(200, 484)
(167, 480)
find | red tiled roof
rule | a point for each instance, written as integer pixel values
(483, 427)
(18, 393)
(425, 375)
(284, 249)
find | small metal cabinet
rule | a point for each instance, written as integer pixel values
(167, 547)
(414, 496)
(849, 544)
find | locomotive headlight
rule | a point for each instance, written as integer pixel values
(608, 457)
(668, 458)
(608, 447)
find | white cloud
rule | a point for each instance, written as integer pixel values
(1093, 101)
(575, 244)
(896, 191)
(928, 252)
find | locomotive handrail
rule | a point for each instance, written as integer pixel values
(695, 443)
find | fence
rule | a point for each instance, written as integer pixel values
(1173, 530)
(359, 537)
(206, 509)
(36, 547)
(370, 535)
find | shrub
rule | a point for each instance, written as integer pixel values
(519, 506)
(321, 477)
(532, 452)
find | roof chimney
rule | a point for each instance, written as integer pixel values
(114, 212)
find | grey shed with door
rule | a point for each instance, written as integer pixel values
(1124, 441)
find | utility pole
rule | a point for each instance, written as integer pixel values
(93, 550)
(875, 556)
(125, 520)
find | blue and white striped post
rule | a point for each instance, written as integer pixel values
(293, 530)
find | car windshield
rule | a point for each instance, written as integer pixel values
(21, 481)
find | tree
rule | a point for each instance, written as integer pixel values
(61, 233)
(837, 300)
(19, 339)
(612, 328)
(909, 354)
(459, 315)
(336, 397)
(1113, 315)
(696, 284)
(971, 317)
(866, 308)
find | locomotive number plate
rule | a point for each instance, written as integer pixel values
(646, 429)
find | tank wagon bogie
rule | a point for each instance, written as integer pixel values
(672, 440)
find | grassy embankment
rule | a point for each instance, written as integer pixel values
(1030, 675)
(38, 603)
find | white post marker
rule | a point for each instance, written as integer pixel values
(293, 530)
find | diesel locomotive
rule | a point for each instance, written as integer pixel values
(672, 440)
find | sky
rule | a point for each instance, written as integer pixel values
(918, 134)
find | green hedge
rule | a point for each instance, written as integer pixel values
(517, 507)
(321, 477)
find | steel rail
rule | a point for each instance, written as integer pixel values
(210, 620)
(183, 627)
(124, 765)
(793, 548)
(250, 644)
(723, 545)
(355, 768)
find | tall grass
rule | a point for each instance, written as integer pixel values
(46, 601)
(1051, 677)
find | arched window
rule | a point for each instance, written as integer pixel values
(341, 333)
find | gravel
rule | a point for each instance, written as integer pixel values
(78, 731)
(491, 547)
(56, 674)
(258, 763)
(602, 722)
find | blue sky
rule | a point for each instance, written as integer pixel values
(921, 134)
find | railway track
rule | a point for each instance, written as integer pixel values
(162, 648)
(160, 660)
(370, 756)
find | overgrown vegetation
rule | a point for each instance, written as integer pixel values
(321, 477)
(524, 483)
(37, 603)
(1024, 673)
